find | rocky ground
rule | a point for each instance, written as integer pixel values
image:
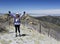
(29, 36)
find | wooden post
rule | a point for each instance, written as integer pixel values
(40, 27)
(48, 31)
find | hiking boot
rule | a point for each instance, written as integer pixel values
(20, 35)
(16, 35)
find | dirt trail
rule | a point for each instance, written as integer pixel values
(29, 36)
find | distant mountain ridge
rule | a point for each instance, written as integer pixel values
(50, 19)
(2, 13)
(38, 15)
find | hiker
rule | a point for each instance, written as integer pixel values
(16, 22)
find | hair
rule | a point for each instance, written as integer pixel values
(18, 15)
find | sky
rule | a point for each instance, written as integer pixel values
(30, 6)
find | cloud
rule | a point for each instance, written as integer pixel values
(48, 11)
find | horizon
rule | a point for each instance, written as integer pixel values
(33, 14)
(30, 6)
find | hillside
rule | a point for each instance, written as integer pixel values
(30, 32)
(50, 19)
(4, 21)
(30, 36)
(43, 27)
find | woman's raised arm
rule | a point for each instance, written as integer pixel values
(11, 14)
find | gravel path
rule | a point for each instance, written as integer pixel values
(29, 36)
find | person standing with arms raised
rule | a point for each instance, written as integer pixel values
(16, 22)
